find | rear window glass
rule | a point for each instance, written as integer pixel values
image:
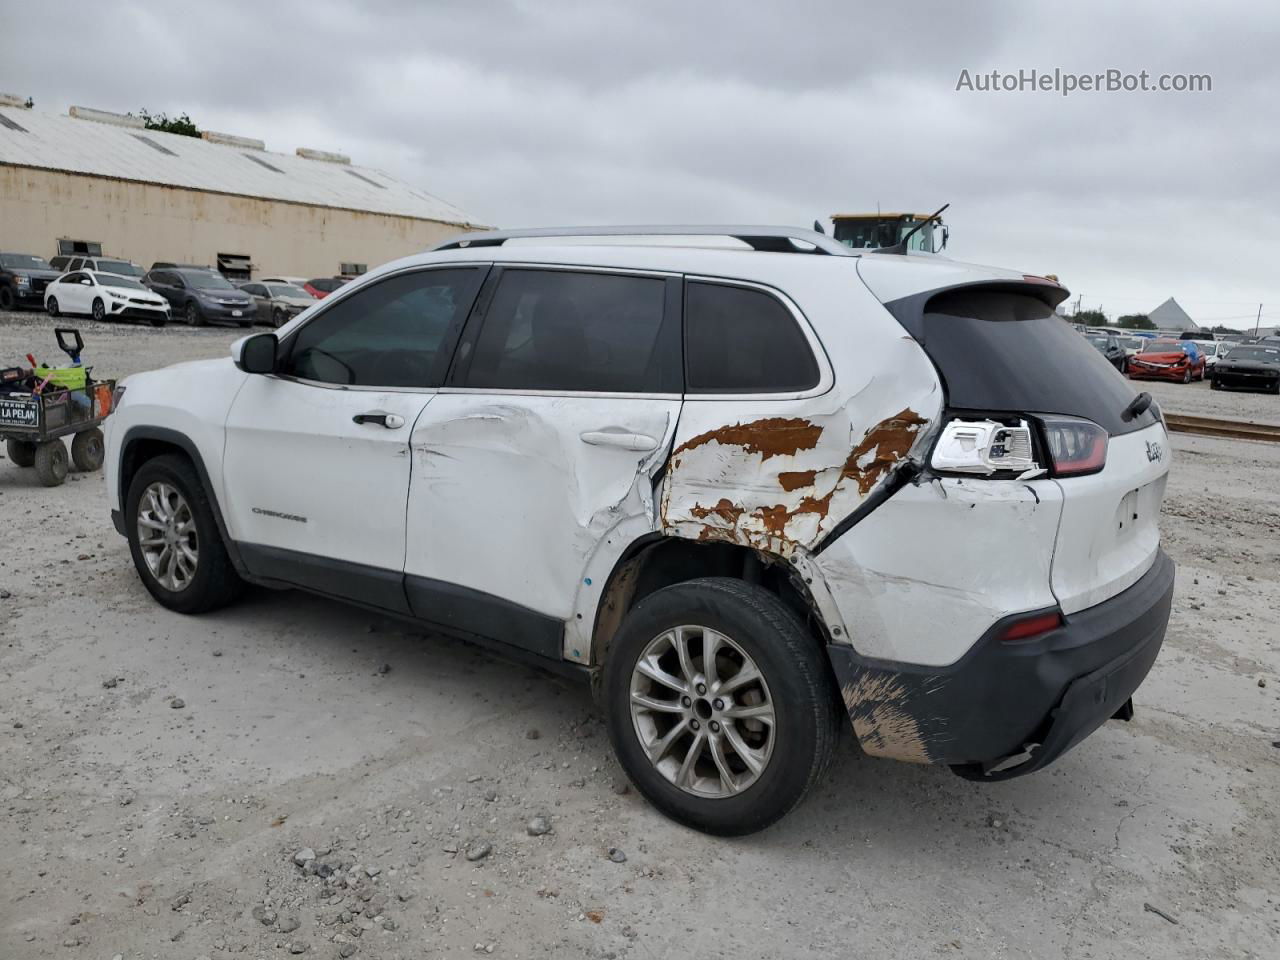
(742, 340)
(560, 330)
(1009, 352)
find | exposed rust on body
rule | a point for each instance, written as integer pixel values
(795, 479)
(725, 510)
(765, 525)
(770, 437)
(885, 444)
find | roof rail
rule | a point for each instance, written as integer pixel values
(768, 239)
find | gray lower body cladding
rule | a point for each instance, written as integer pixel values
(1033, 699)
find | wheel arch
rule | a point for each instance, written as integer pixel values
(656, 561)
(144, 443)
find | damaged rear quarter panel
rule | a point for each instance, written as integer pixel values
(779, 475)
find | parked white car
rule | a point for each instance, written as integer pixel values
(104, 296)
(739, 490)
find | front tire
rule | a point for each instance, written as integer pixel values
(727, 743)
(99, 309)
(174, 538)
(193, 314)
(8, 300)
(22, 453)
(1214, 384)
(1186, 377)
(51, 463)
(52, 306)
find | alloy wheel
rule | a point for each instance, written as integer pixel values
(702, 711)
(167, 536)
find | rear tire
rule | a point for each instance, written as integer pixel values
(51, 463)
(789, 754)
(88, 450)
(213, 583)
(22, 453)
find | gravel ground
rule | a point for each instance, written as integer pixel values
(295, 776)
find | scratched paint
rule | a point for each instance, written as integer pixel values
(771, 482)
(891, 716)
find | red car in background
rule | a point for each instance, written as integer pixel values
(321, 287)
(1179, 360)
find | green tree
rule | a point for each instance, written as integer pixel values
(1091, 318)
(180, 124)
(1136, 321)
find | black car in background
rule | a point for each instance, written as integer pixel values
(23, 277)
(1248, 366)
(1109, 347)
(202, 295)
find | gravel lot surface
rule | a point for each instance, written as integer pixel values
(292, 776)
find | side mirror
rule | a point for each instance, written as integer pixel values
(256, 354)
(86, 283)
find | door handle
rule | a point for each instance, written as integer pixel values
(389, 420)
(622, 439)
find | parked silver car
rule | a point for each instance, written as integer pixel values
(277, 303)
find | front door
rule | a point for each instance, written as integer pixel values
(557, 416)
(317, 455)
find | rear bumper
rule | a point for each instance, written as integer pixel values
(1031, 700)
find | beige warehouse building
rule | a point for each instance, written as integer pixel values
(100, 183)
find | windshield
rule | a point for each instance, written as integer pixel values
(1099, 342)
(289, 290)
(1247, 352)
(1166, 346)
(115, 280)
(1208, 349)
(23, 261)
(207, 281)
(121, 268)
(1132, 343)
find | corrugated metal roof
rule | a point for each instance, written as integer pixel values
(57, 142)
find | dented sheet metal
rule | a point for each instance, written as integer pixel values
(779, 483)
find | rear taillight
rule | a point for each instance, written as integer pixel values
(1031, 625)
(984, 447)
(1076, 446)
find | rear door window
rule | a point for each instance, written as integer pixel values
(743, 340)
(563, 330)
(398, 332)
(1010, 352)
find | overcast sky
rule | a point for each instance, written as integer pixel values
(540, 112)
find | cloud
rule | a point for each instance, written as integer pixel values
(552, 112)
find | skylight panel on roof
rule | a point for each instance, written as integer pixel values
(260, 162)
(372, 183)
(153, 145)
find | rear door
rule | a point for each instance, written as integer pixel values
(74, 293)
(557, 417)
(317, 456)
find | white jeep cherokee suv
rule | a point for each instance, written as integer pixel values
(739, 485)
